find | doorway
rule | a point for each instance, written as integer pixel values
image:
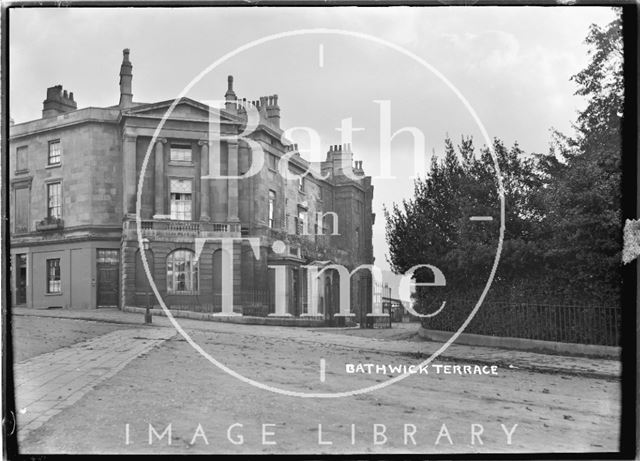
(108, 268)
(21, 279)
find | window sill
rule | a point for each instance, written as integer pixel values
(49, 224)
(23, 171)
(183, 293)
(53, 294)
(180, 163)
(55, 165)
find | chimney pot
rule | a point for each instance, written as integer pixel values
(230, 96)
(126, 77)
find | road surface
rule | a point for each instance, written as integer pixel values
(134, 385)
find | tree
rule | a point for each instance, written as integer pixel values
(434, 227)
(582, 179)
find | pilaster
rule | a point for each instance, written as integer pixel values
(129, 173)
(204, 181)
(232, 184)
(159, 178)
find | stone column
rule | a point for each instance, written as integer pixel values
(129, 175)
(232, 184)
(312, 292)
(281, 291)
(204, 181)
(230, 267)
(159, 177)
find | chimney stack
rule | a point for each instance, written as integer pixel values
(58, 102)
(126, 77)
(230, 96)
(340, 158)
(358, 171)
(273, 110)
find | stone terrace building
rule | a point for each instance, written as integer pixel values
(73, 183)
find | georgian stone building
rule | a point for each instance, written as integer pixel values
(73, 184)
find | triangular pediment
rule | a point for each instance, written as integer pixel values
(187, 109)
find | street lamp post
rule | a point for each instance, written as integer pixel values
(146, 245)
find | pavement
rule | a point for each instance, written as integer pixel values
(49, 383)
(349, 338)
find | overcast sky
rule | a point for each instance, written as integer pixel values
(512, 64)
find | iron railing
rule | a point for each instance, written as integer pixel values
(571, 323)
(248, 302)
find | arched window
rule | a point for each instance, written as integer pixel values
(182, 272)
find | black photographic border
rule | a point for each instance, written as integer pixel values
(630, 206)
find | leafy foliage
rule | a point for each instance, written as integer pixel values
(583, 174)
(562, 238)
(435, 227)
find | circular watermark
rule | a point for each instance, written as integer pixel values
(280, 36)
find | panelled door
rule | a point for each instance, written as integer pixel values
(21, 279)
(108, 268)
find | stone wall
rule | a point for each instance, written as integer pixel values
(89, 171)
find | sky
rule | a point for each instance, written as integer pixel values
(512, 65)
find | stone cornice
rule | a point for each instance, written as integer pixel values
(21, 182)
(80, 116)
(35, 239)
